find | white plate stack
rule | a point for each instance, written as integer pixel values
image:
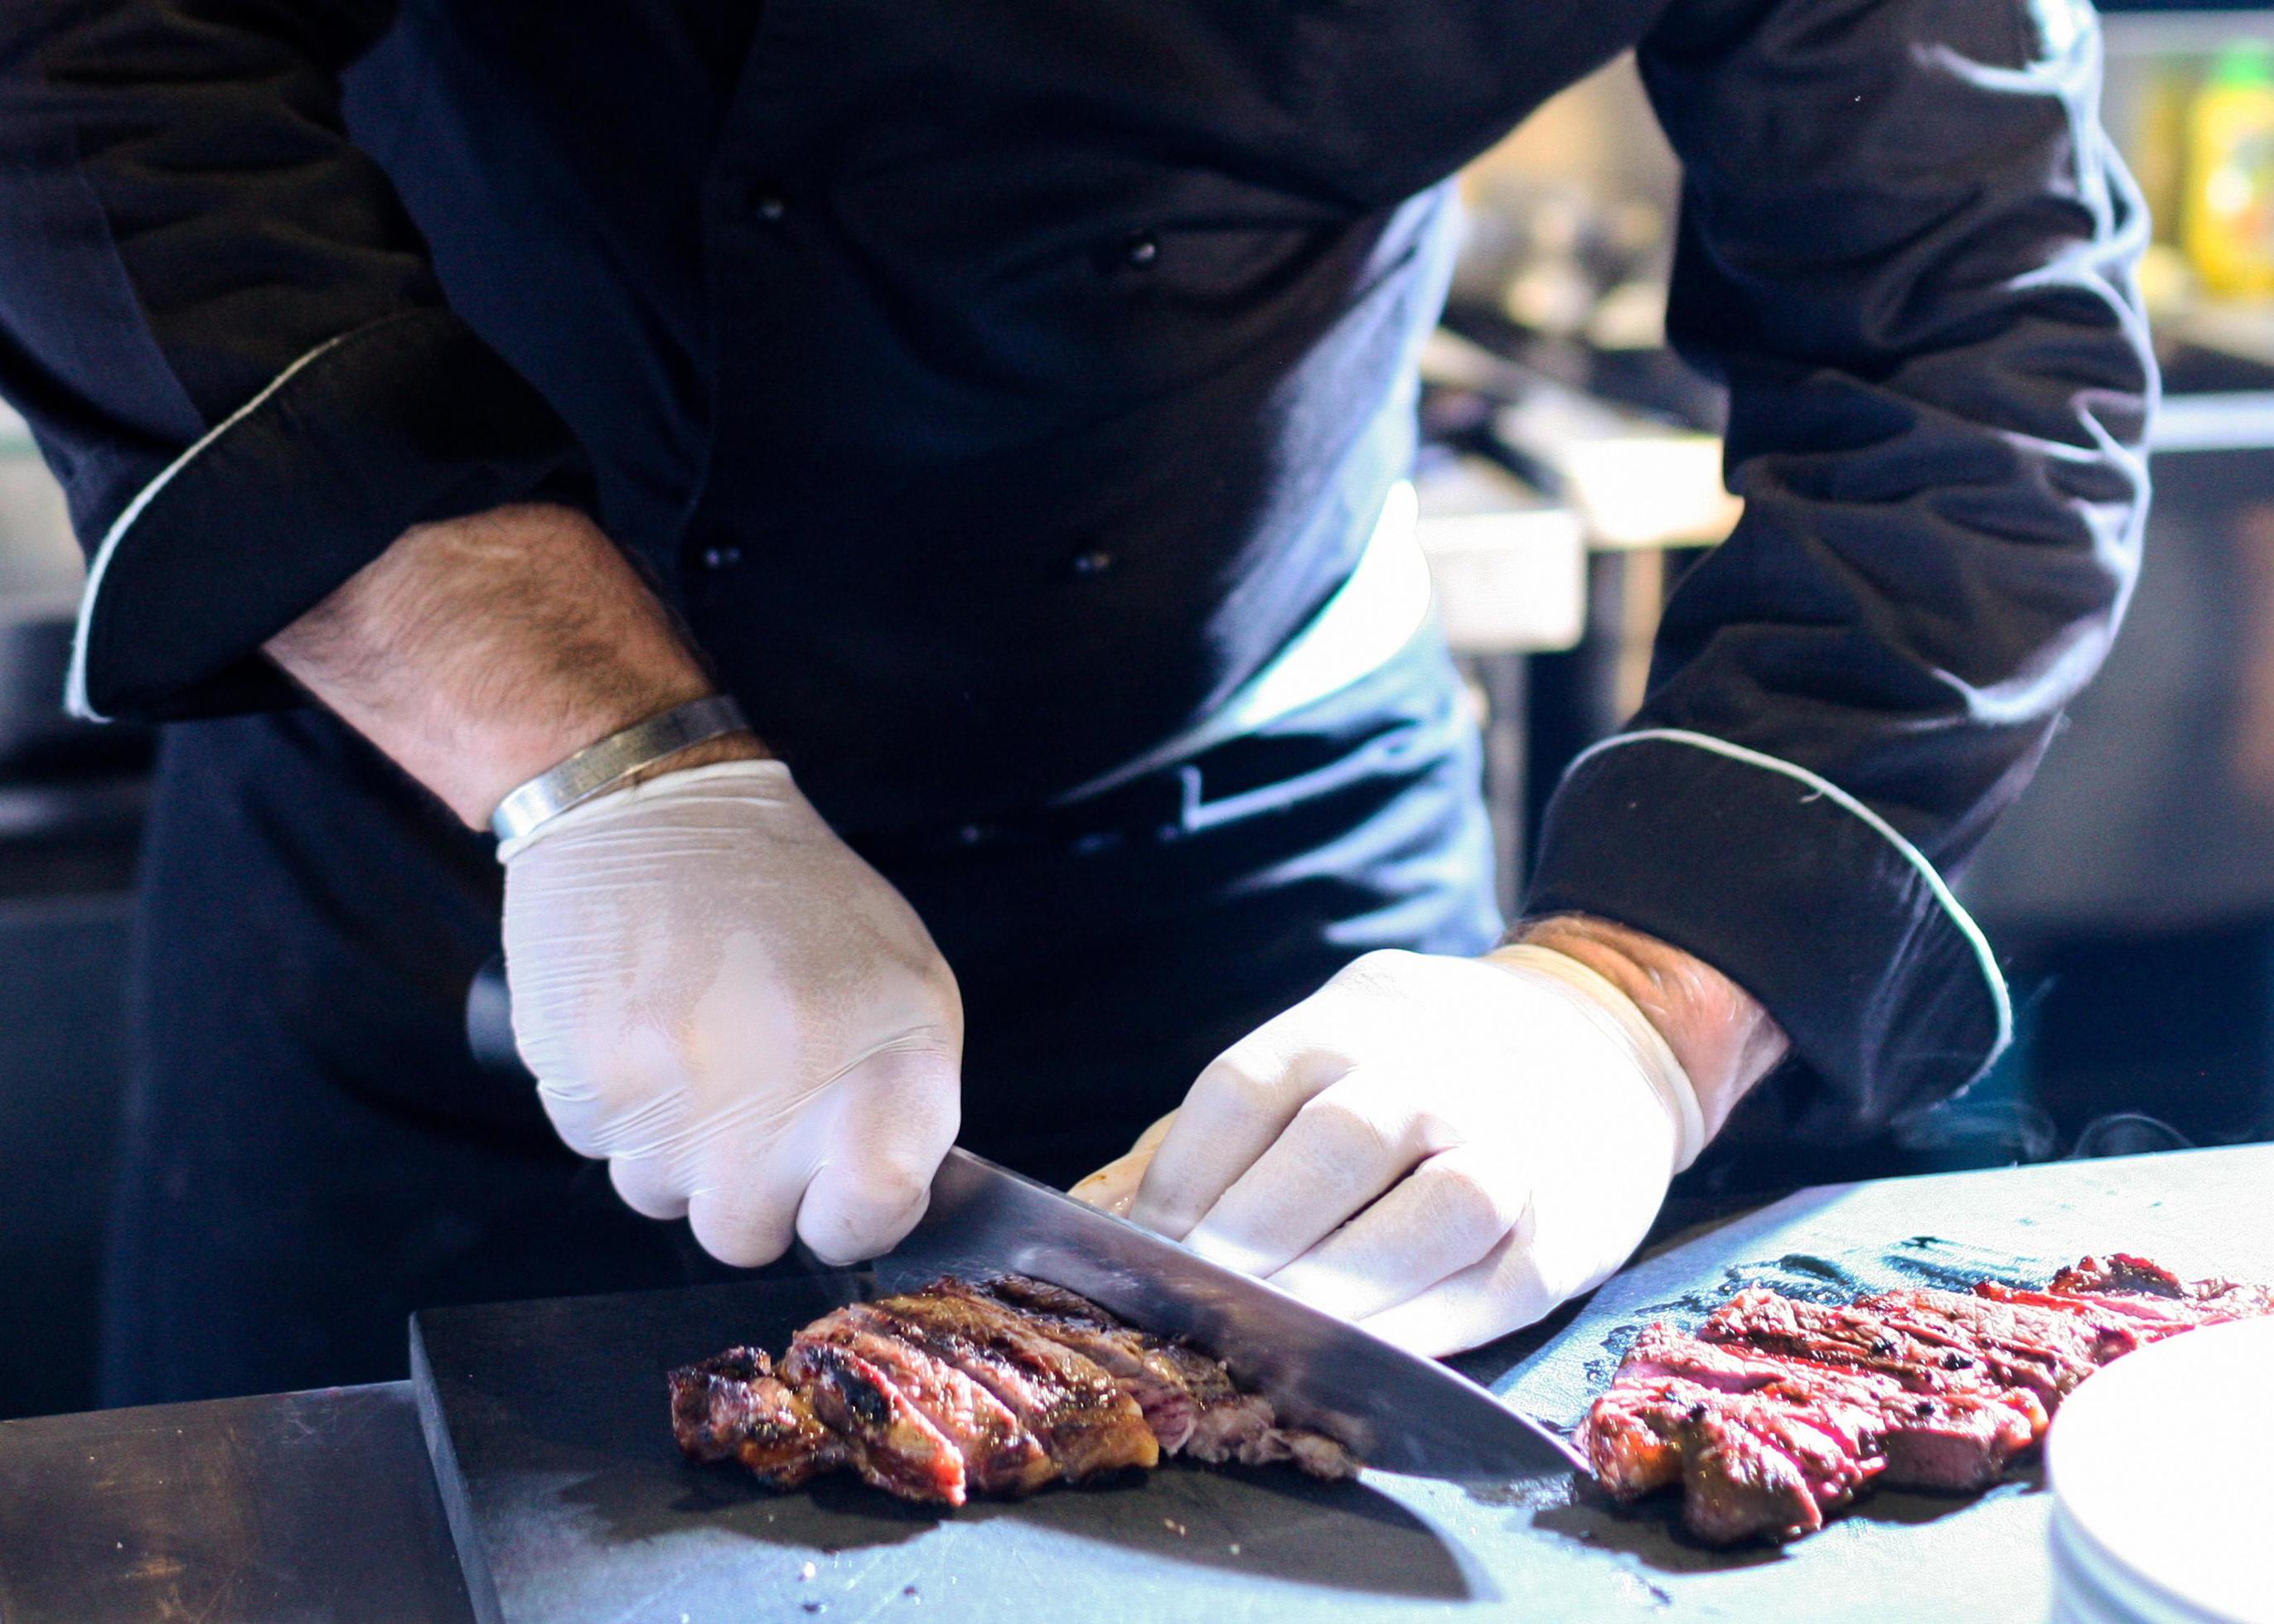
(2162, 1495)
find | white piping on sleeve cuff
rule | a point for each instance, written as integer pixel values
(75, 694)
(1823, 786)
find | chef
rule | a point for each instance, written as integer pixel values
(863, 542)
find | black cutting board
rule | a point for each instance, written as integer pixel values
(548, 1427)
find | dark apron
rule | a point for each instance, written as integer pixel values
(311, 1151)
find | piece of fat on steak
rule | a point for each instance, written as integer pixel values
(1000, 1457)
(1228, 1424)
(1188, 1399)
(2121, 1272)
(2121, 1323)
(2140, 1287)
(887, 1439)
(1315, 1453)
(1243, 1428)
(732, 1407)
(1080, 1414)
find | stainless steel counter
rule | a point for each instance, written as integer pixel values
(295, 1506)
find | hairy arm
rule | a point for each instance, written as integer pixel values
(478, 652)
(1725, 1042)
(714, 993)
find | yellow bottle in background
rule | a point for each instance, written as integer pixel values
(2157, 143)
(2230, 193)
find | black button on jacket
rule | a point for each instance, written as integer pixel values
(998, 384)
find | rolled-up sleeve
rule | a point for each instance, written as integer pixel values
(1908, 248)
(227, 337)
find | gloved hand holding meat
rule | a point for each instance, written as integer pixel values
(1444, 1149)
(720, 997)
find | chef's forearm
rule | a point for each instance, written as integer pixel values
(1725, 1042)
(480, 651)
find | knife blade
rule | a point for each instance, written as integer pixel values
(1396, 1410)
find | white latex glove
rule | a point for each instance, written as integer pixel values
(1441, 1150)
(720, 997)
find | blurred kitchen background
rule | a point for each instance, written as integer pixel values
(1571, 475)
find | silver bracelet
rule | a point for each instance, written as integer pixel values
(602, 766)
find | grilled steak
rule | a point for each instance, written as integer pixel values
(992, 1388)
(1157, 1376)
(1956, 1435)
(1779, 1412)
(1912, 1335)
(1187, 1399)
(732, 1407)
(1085, 1422)
(1000, 1455)
(885, 1438)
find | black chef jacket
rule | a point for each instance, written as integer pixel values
(997, 385)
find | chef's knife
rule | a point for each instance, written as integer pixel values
(1395, 1409)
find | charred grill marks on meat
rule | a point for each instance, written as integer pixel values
(995, 1452)
(1085, 1422)
(990, 1387)
(874, 1426)
(733, 1408)
(1777, 1413)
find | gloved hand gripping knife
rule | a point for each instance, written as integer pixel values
(720, 997)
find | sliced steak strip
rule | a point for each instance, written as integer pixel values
(1763, 1322)
(733, 1407)
(1083, 1419)
(2121, 1272)
(1741, 1482)
(1927, 1352)
(2047, 1350)
(1752, 1467)
(1150, 1371)
(887, 1439)
(1188, 1399)
(1000, 1457)
(1632, 1436)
